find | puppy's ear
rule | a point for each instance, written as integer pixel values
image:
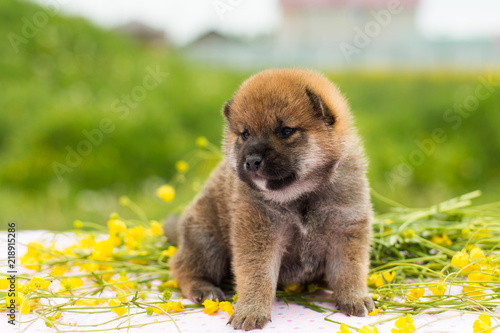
(320, 108)
(226, 110)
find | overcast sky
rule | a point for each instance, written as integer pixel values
(185, 20)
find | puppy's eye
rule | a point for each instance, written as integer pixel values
(245, 135)
(285, 132)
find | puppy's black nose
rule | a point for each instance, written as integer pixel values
(253, 162)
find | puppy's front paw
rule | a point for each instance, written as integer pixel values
(356, 306)
(249, 318)
(201, 293)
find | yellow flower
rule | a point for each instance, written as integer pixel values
(123, 283)
(90, 267)
(171, 284)
(170, 251)
(38, 283)
(293, 288)
(476, 253)
(71, 283)
(409, 234)
(181, 166)
(166, 193)
(175, 306)
(4, 283)
(169, 307)
(368, 329)
(460, 260)
(374, 312)
(87, 242)
(404, 325)
(226, 307)
(439, 288)
(482, 324)
(344, 328)
(482, 233)
(388, 222)
(376, 280)
(211, 307)
(25, 307)
(118, 310)
(415, 293)
(479, 277)
(133, 237)
(474, 291)
(103, 250)
(442, 239)
(162, 306)
(115, 226)
(156, 228)
(389, 276)
(33, 257)
(201, 142)
(136, 232)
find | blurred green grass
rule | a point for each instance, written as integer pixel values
(71, 75)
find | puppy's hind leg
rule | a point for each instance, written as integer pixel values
(200, 264)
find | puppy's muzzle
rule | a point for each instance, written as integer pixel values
(253, 163)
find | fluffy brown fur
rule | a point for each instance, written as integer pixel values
(289, 204)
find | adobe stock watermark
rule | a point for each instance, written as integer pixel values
(32, 25)
(453, 117)
(121, 107)
(222, 7)
(372, 29)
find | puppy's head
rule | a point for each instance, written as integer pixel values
(285, 132)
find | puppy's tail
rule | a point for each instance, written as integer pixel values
(170, 229)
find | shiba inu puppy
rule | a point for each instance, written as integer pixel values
(289, 203)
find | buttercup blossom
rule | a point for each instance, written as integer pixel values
(156, 228)
(211, 307)
(476, 253)
(115, 226)
(170, 251)
(201, 142)
(71, 283)
(368, 329)
(25, 307)
(37, 282)
(404, 325)
(460, 259)
(439, 288)
(376, 280)
(166, 193)
(181, 166)
(389, 276)
(4, 283)
(226, 307)
(482, 324)
(344, 328)
(103, 250)
(474, 291)
(169, 307)
(119, 310)
(415, 294)
(479, 277)
(442, 239)
(171, 284)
